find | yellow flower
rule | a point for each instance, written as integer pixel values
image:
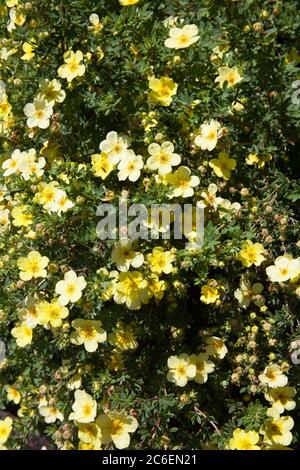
(33, 266)
(17, 17)
(257, 160)
(51, 414)
(38, 113)
(51, 314)
(5, 429)
(124, 256)
(20, 217)
(11, 3)
(182, 182)
(181, 370)
(210, 292)
(23, 335)
(5, 108)
(156, 287)
(218, 53)
(162, 157)
(242, 440)
(277, 429)
(116, 427)
(84, 408)
(126, 3)
(223, 165)
(284, 269)
(13, 395)
(237, 106)
(210, 198)
(123, 338)
(101, 165)
(52, 198)
(90, 433)
(207, 138)
(46, 194)
(28, 48)
(251, 253)
(273, 376)
(95, 22)
(248, 293)
(282, 398)
(162, 90)
(131, 289)
(72, 67)
(229, 75)
(160, 261)
(181, 38)
(216, 347)
(130, 166)
(89, 333)
(203, 367)
(115, 147)
(51, 91)
(70, 289)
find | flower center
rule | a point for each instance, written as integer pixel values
(86, 410)
(89, 332)
(183, 39)
(181, 370)
(70, 289)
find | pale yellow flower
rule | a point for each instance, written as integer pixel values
(116, 427)
(273, 376)
(203, 365)
(84, 408)
(13, 395)
(223, 165)
(90, 433)
(277, 430)
(284, 269)
(70, 289)
(182, 182)
(181, 38)
(282, 398)
(181, 370)
(51, 414)
(216, 347)
(162, 157)
(208, 136)
(23, 335)
(72, 67)
(229, 75)
(124, 256)
(33, 266)
(89, 333)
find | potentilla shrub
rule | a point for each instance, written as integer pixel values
(159, 342)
